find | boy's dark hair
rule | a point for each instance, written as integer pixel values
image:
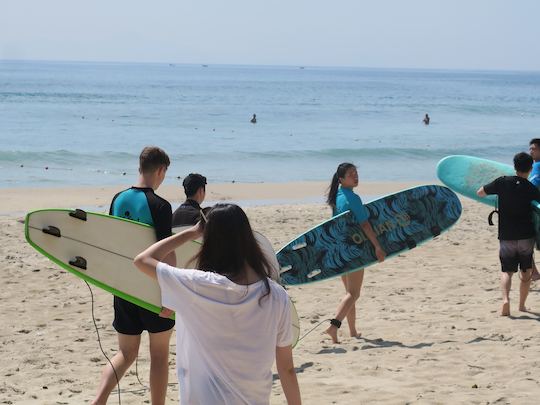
(535, 141)
(152, 158)
(192, 183)
(523, 162)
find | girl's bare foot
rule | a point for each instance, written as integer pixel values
(355, 334)
(332, 331)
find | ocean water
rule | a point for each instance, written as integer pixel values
(67, 124)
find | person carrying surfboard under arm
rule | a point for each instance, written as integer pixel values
(235, 320)
(516, 228)
(534, 178)
(341, 198)
(140, 203)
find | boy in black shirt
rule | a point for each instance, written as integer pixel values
(516, 229)
(189, 213)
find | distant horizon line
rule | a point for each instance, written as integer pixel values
(296, 66)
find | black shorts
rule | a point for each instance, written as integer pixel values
(516, 252)
(130, 319)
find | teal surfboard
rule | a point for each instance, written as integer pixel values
(338, 246)
(466, 174)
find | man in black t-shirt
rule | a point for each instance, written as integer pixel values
(189, 213)
(516, 228)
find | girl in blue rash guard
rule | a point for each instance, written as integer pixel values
(341, 198)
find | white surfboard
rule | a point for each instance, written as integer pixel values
(100, 249)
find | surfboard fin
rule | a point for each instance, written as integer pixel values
(411, 244)
(79, 262)
(52, 230)
(284, 269)
(314, 273)
(79, 214)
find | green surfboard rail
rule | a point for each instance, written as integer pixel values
(74, 271)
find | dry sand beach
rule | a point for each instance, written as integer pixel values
(431, 330)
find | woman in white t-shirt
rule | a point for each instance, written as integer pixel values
(232, 320)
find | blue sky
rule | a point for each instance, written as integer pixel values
(454, 34)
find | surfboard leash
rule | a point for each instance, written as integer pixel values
(312, 329)
(99, 342)
(118, 390)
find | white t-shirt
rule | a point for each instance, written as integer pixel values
(225, 339)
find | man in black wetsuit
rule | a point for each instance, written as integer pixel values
(189, 213)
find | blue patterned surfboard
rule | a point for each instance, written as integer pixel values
(466, 174)
(338, 246)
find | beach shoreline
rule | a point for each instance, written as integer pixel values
(17, 201)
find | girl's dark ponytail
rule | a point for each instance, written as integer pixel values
(333, 189)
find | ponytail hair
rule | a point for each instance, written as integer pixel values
(333, 189)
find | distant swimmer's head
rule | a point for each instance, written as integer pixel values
(229, 246)
(346, 175)
(194, 184)
(154, 162)
(523, 162)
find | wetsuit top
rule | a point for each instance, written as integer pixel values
(534, 177)
(347, 200)
(141, 204)
(515, 211)
(189, 213)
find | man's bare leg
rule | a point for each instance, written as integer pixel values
(128, 346)
(506, 284)
(159, 366)
(524, 287)
(535, 275)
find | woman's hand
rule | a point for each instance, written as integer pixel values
(148, 260)
(197, 229)
(380, 253)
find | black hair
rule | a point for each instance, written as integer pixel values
(229, 246)
(535, 141)
(523, 162)
(192, 183)
(152, 158)
(333, 189)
